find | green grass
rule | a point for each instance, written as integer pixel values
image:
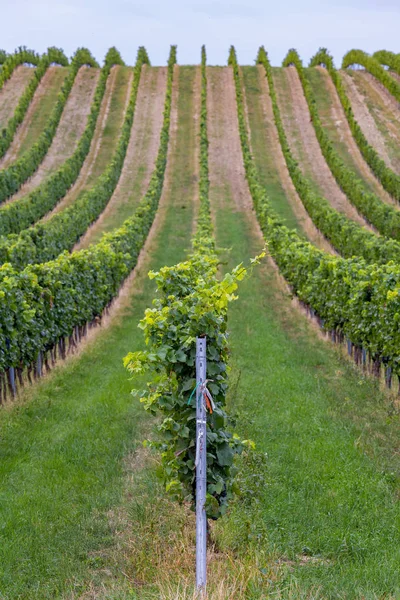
(113, 124)
(182, 185)
(43, 110)
(62, 448)
(325, 500)
(261, 131)
(129, 192)
(317, 515)
(383, 116)
(323, 101)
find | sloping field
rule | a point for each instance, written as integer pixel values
(70, 129)
(37, 114)
(379, 114)
(11, 91)
(304, 143)
(187, 172)
(336, 125)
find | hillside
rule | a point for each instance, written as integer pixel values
(116, 171)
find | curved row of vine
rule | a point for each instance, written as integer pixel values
(53, 55)
(389, 59)
(371, 64)
(191, 302)
(45, 240)
(25, 211)
(347, 236)
(45, 304)
(11, 61)
(350, 297)
(388, 178)
(385, 218)
(12, 178)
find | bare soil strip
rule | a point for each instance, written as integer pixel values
(395, 76)
(339, 118)
(85, 172)
(273, 144)
(365, 119)
(311, 159)
(177, 147)
(226, 170)
(11, 91)
(383, 108)
(49, 80)
(70, 129)
(142, 151)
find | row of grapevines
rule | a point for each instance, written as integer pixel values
(45, 240)
(45, 302)
(191, 302)
(389, 59)
(23, 212)
(371, 64)
(3, 57)
(344, 234)
(351, 297)
(385, 218)
(388, 178)
(16, 174)
(53, 55)
(21, 56)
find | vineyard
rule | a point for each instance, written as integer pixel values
(257, 208)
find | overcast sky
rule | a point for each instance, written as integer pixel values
(306, 25)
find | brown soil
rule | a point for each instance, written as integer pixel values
(94, 148)
(386, 97)
(312, 160)
(23, 129)
(395, 76)
(11, 92)
(196, 171)
(385, 108)
(134, 282)
(273, 143)
(70, 129)
(142, 149)
(364, 118)
(226, 168)
(339, 118)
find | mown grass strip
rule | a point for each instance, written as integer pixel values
(387, 177)
(384, 217)
(12, 178)
(321, 517)
(11, 93)
(65, 446)
(46, 239)
(23, 212)
(263, 160)
(42, 63)
(44, 107)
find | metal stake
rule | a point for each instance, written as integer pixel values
(201, 466)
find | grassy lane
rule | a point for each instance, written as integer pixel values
(140, 157)
(304, 144)
(12, 90)
(384, 110)
(335, 124)
(261, 130)
(37, 114)
(321, 508)
(62, 449)
(70, 128)
(113, 123)
(106, 135)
